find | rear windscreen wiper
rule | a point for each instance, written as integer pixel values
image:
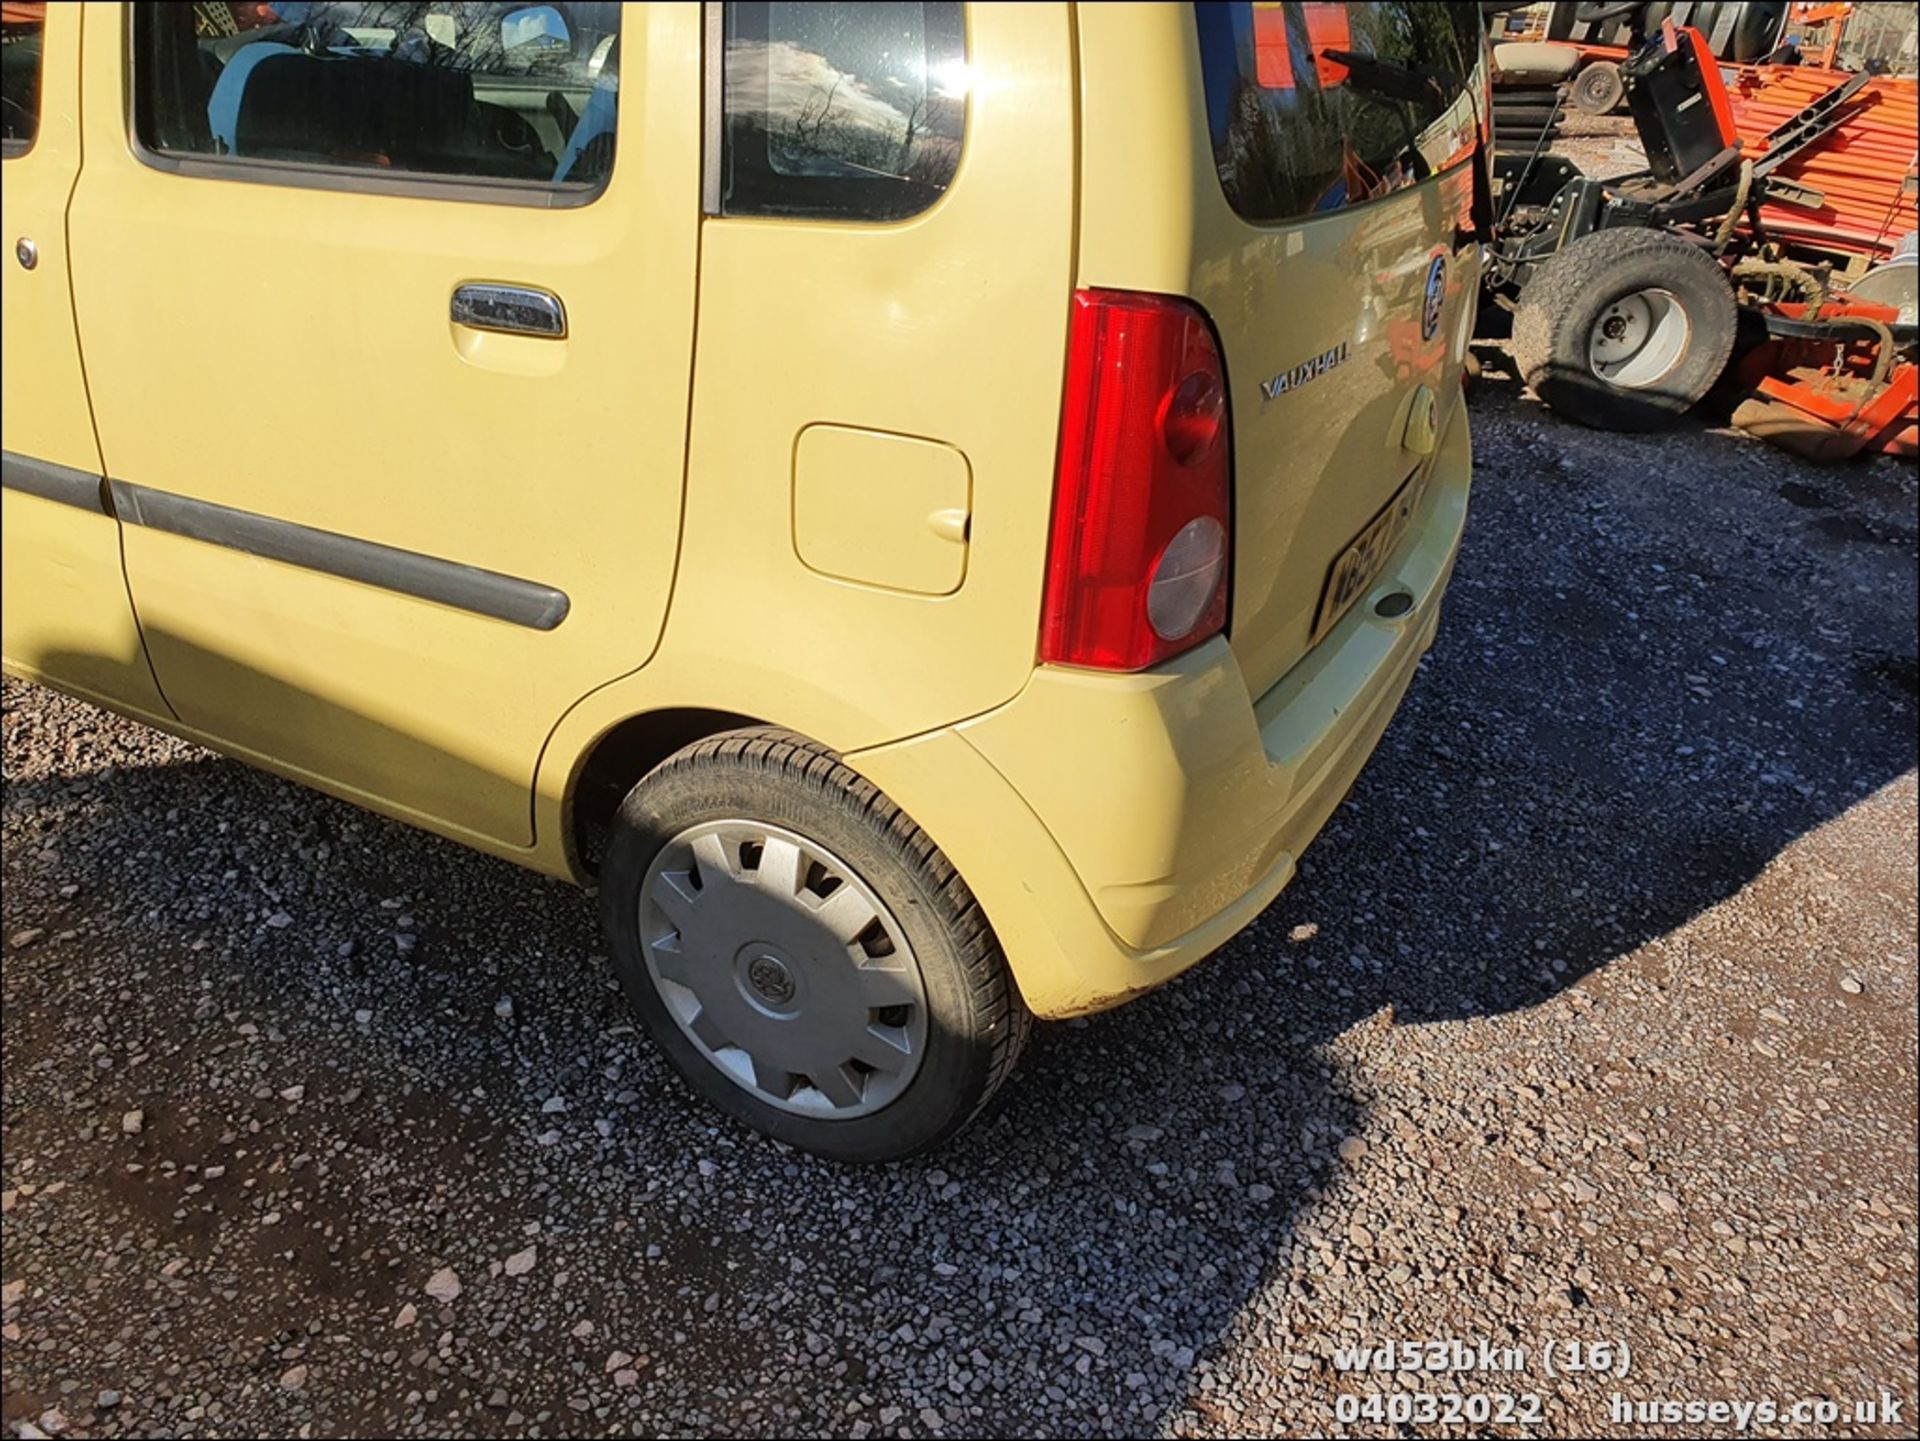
(1378, 79)
(1374, 76)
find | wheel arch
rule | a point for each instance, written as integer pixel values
(615, 760)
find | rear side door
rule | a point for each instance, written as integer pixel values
(64, 614)
(389, 309)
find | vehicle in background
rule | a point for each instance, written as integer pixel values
(1628, 293)
(1583, 43)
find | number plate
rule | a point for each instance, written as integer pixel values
(1361, 563)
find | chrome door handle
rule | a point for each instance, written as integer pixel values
(515, 309)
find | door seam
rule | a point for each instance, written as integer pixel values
(80, 357)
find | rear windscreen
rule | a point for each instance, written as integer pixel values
(1315, 107)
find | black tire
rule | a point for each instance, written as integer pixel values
(977, 1022)
(1534, 116)
(1598, 89)
(1524, 137)
(1760, 28)
(1520, 141)
(1507, 95)
(1518, 125)
(1570, 294)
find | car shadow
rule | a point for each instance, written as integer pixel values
(1646, 685)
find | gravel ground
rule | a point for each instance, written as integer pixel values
(1590, 1017)
(1602, 145)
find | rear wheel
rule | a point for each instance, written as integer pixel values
(1624, 329)
(803, 953)
(1598, 89)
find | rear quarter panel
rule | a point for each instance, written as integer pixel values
(948, 327)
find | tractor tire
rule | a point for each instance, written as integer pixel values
(1533, 116)
(1624, 329)
(1523, 141)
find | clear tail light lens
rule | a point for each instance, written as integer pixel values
(1187, 579)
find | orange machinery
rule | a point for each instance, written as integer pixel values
(1799, 180)
(1864, 170)
(1835, 376)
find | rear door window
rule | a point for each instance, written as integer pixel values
(1316, 107)
(22, 28)
(841, 111)
(489, 92)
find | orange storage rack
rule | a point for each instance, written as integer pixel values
(1866, 168)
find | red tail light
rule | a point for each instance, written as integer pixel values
(1137, 561)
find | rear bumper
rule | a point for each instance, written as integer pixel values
(1118, 829)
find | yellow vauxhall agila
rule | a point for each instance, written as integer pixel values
(928, 506)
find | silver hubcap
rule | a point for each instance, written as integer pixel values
(1638, 339)
(784, 968)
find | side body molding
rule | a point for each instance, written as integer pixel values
(448, 582)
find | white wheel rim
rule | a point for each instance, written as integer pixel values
(1637, 340)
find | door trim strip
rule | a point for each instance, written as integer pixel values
(60, 483)
(446, 582)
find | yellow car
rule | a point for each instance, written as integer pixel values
(928, 506)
